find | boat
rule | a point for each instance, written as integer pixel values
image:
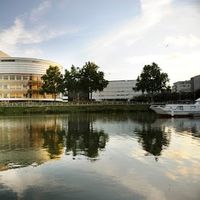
(178, 109)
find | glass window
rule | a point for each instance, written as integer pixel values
(12, 77)
(12, 87)
(5, 95)
(25, 77)
(5, 77)
(5, 87)
(18, 77)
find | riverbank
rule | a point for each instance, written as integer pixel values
(71, 108)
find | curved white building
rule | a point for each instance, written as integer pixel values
(20, 78)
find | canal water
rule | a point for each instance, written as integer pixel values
(99, 156)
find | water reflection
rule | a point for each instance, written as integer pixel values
(117, 143)
(82, 138)
(153, 139)
(29, 140)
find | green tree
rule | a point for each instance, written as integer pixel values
(152, 80)
(71, 81)
(52, 82)
(91, 79)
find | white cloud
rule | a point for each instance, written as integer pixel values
(40, 10)
(162, 33)
(183, 41)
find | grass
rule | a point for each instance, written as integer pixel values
(55, 109)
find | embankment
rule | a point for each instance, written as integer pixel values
(71, 108)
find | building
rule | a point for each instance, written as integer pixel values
(195, 83)
(117, 90)
(20, 78)
(182, 86)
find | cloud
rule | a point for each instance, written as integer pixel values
(40, 10)
(17, 35)
(183, 41)
(161, 34)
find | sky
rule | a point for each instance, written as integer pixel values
(120, 36)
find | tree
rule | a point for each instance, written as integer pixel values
(52, 82)
(91, 79)
(71, 80)
(152, 80)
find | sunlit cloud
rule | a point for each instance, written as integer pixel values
(183, 41)
(158, 35)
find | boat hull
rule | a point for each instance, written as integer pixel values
(172, 110)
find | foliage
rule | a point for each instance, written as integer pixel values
(152, 80)
(71, 81)
(52, 81)
(91, 79)
(84, 81)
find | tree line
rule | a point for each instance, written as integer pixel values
(77, 83)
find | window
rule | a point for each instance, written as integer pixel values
(179, 107)
(25, 77)
(5, 77)
(5, 95)
(12, 77)
(18, 77)
(8, 60)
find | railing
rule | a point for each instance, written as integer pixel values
(33, 104)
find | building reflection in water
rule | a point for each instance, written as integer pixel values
(82, 138)
(33, 140)
(29, 140)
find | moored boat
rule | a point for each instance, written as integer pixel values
(178, 109)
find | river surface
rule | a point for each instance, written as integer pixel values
(99, 156)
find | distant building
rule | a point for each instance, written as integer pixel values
(20, 78)
(195, 83)
(182, 86)
(117, 90)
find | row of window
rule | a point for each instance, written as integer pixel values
(13, 87)
(19, 77)
(17, 95)
(14, 77)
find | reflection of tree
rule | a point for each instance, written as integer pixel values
(153, 139)
(28, 140)
(81, 138)
(53, 140)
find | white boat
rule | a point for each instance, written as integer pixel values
(178, 109)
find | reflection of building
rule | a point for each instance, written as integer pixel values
(27, 140)
(182, 86)
(20, 78)
(195, 83)
(117, 90)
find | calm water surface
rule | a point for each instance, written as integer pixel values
(104, 156)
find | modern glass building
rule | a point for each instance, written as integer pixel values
(20, 78)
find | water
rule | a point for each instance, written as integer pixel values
(104, 156)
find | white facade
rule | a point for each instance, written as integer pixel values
(20, 78)
(182, 86)
(117, 90)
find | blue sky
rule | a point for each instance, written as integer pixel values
(120, 36)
